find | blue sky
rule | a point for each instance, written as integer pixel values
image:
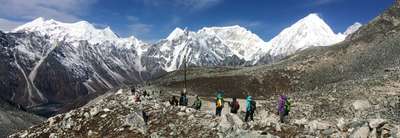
(151, 20)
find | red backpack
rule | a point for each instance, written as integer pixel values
(236, 105)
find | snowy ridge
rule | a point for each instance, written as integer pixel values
(72, 32)
(240, 41)
(202, 48)
(175, 34)
(351, 29)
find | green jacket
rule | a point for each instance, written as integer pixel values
(197, 104)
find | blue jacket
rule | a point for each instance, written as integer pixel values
(248, 103)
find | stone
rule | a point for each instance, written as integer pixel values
(90, 133)
(167, 104)
(361, 105)
(87, 115)
(362, 132)
(373, 134)
(190, 110)
(180, 113)
(94, 111)
(183, 108)
(103, 115)
(106, 110)
(318, 125)
(119, 92)
(302, 121)
(278, 127)
(385, 133)
(375, 123)
(53, 135)
(341, 123)
(51, 120)
(328, 131)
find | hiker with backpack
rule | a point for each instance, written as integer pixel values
(283, 107)
(174, 101)
(183, 101)
(145, 117)
(250, 108)
(197, 103)
(219, 104)
(234, 106)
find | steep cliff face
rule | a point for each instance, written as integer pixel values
(41, 72)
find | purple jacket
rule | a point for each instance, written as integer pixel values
(281, 103)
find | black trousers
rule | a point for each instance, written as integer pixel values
(282, 116)
(249, 114)
(218, 111)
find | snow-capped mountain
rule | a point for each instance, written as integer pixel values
(56, 63)
(307, 32)
(351, 29)
(214, 46)
(69, 31)
(241, 41)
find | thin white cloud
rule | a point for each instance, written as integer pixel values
(197, 4)
(8, 25)
(321, 2)
(63, 10)
(139, 29)
(192, 5)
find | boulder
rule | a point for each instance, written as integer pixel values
(375, 123)
(361, 105)
(362, 132)
(373, 134)
(180, 113)
(341, 123)
(318, 125)
(94, 111)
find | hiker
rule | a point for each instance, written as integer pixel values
(145, 117)
(234, 106)
(174, 101)
(183, 101)
(133, 90)
(197, 103)
(219, 104)
(283, 107)
(250, 108)
(136, 97)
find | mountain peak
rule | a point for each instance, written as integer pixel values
(351, 29)
(312, 16)
(39, 19)
(307, 32)
(176, 33)
(312, 19)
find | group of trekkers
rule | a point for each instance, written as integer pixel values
(283, 105)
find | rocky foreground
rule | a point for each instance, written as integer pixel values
(117, 115)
